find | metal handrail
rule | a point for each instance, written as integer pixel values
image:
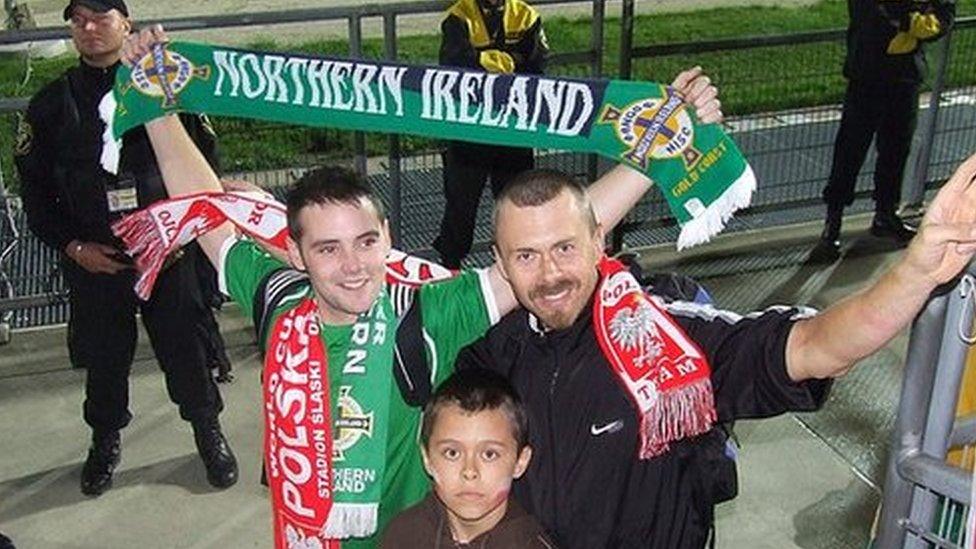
(757, 41)
(304, 15)
(739, 43)
(24, 302)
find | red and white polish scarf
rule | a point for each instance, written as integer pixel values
(663, 371)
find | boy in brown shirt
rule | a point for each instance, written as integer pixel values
(474, 444)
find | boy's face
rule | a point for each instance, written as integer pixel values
(473, 458)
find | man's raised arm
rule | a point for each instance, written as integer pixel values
(619, 190)
(829, 344)
(182, 165)
(185, 171)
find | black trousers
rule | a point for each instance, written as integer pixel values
(209, 330)
(102, 336)
(886, 112)
(467, 167)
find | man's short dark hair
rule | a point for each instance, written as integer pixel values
(327, 185)
(477, 390)
(537, 187)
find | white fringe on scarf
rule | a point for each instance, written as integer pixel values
(709, 221)
(677, 414)
(111, 148)
(351, 520)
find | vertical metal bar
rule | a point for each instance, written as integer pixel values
(596, 70)
(356, 51)
(906, 437)
(596, 38)
(915, 194)
(624, 70)
(393, 156)
(626, 60)
(942, 407)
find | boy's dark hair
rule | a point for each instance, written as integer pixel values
(327, 185)
(476, 390)
(537, 187)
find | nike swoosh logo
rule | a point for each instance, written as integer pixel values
(611, 427)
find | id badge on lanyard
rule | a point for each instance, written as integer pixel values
(122, 195)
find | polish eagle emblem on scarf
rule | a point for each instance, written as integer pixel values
(634, 328)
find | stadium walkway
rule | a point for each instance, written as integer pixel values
(807, 481)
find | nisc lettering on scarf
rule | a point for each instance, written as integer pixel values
(695, 174)
(521, 103)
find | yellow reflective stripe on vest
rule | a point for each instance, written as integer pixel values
(518, 18)
(924, 26)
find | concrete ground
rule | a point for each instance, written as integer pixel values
(806, 481)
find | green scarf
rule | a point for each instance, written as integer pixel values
(645, 125)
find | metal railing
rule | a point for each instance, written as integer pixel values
(31, 270)
(780, 121)
(783, 124)
(925, 499)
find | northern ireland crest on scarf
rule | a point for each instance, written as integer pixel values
(663, 371)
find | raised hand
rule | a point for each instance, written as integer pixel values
(946, 239)
(697, 89)
(138, 44)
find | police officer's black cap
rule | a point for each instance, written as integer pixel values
(100, 6)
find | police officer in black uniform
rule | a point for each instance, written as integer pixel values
(498, 36)
(70, 203)
(884, 66)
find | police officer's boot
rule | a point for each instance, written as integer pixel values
(5, 542)
(215, 452)
(887, 224)
(827, 249)
(103, 458)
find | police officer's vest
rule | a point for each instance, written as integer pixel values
(80, 181)
(517, 19)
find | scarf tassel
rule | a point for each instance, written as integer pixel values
(111, 147)
(679, 413)
(355, 520)
(143, 241)
(712, 219)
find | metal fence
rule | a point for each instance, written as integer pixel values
(926, 500)
(31, 289)
(783, 125)
(784, 121)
